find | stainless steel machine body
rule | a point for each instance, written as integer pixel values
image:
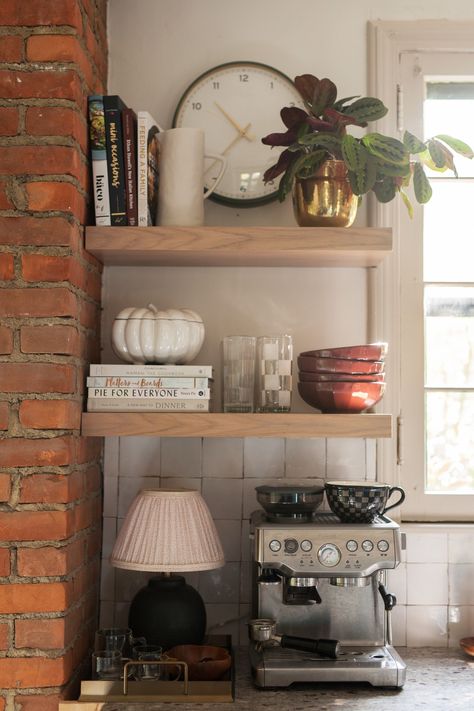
(325, 579)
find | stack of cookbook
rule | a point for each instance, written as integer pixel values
(149, 388)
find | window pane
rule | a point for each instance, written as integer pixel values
(449, 442)
(449, 336)
(453, 116)
(448, 244)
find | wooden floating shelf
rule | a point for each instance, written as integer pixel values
(217, 424)
(239, 246)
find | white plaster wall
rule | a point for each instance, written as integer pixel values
(157, 48)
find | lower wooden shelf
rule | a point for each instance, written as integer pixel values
(218, 424)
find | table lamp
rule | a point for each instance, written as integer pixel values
(168, 531)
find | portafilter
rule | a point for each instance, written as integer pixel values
(264, 630)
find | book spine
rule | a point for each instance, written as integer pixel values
(148, 405)
(151, 393)
(142, 171)
(113, 106)
(129, 126)
(98, 155)
(119, 382)
(151, 371)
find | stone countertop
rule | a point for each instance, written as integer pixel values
(437, 680)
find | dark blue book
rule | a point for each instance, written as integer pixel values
(113, 107)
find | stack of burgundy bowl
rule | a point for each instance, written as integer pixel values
(347, 379)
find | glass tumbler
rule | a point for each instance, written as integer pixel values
(148, 653)
(106, 664)
(274, 373)
(238, 358)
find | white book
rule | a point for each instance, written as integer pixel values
(99, 404)
(151, 393)
(116, 381)
(148, 153)
(152, 371)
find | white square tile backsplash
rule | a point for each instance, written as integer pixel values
(223, 458)
(346, 459)
(305, 458)
(264, 458)
(427, 583)
(140, 456)
(181, 456)
(433, 588)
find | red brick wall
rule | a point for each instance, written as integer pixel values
(53, 53)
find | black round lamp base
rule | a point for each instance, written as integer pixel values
(168, 612)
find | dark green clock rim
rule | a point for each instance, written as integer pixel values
(215, 197)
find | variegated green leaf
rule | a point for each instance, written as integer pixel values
(394, 170)
(437, 153)
(362, 180)
(407, 202)
(365, 109)
(421, 184)
(324, 140)
(458, 146)
(412, 143)
(311, 163)
(385, 190)
(353, 153)
(388, 149)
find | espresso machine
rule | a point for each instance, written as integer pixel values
(324, 581)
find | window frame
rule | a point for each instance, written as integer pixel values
(388, 41)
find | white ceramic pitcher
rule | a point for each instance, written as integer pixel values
(181, 192)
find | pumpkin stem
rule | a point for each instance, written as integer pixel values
(153, 308)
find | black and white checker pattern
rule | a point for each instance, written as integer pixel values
(356, 504)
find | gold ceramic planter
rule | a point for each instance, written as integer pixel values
(326, 200)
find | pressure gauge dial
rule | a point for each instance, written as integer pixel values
(329, 555)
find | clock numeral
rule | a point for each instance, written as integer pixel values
(243, 77)
(196, 105)
(271, 85)
(215, 85)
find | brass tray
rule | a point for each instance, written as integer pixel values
(95, 694)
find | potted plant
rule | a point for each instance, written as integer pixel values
(329, 170)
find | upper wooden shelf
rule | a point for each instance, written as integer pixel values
(239, 246)
(218, 424)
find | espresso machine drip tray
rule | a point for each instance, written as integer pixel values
(377, 665)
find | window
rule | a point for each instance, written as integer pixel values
(434, 270)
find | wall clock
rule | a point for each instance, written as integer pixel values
(236, 104)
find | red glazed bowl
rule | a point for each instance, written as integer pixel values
(345, 377)
(337, 396)
(368, 351)
(310, 364)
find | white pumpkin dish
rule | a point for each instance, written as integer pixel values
(148, 335)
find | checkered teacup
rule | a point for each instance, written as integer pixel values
(360, 501)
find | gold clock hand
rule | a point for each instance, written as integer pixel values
(242, 131)
(231, 144)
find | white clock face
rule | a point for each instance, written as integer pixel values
(236, 105)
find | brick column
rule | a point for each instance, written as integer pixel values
(52, 55)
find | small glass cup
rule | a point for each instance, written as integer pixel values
(106, 664)
(238, 355)
(120, 638)
(148, 653)
(274, 373)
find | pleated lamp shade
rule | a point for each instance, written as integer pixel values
(168, 530)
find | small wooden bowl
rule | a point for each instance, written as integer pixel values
(467, 643)
(205, 663)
